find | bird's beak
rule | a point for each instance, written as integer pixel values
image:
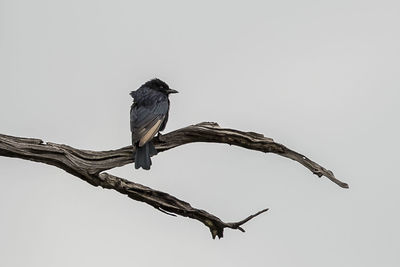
(172, 91)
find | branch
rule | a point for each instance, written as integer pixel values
(212, 133)
(167, 203)
(90, 165)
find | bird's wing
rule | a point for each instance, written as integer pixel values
(150, 133)
(146, 120)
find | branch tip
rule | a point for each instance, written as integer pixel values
(250, 217)
(237, 225)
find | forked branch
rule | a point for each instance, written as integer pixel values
(90, 165)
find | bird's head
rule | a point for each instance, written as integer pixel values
(157, 84)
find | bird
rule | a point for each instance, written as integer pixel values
(148, 116)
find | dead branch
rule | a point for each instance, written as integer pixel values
(90, 165)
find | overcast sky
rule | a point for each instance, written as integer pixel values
(321, 77)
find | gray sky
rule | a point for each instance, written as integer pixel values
(321, 77)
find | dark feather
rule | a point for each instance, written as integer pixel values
(148, 115)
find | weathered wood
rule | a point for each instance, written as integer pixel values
(90, 165)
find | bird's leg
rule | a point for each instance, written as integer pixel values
(159, 137)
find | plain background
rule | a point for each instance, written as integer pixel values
(321, 77)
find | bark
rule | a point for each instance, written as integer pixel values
(90, 165)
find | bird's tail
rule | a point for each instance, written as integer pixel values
(143, 154)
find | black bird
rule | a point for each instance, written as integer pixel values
(149, 115)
